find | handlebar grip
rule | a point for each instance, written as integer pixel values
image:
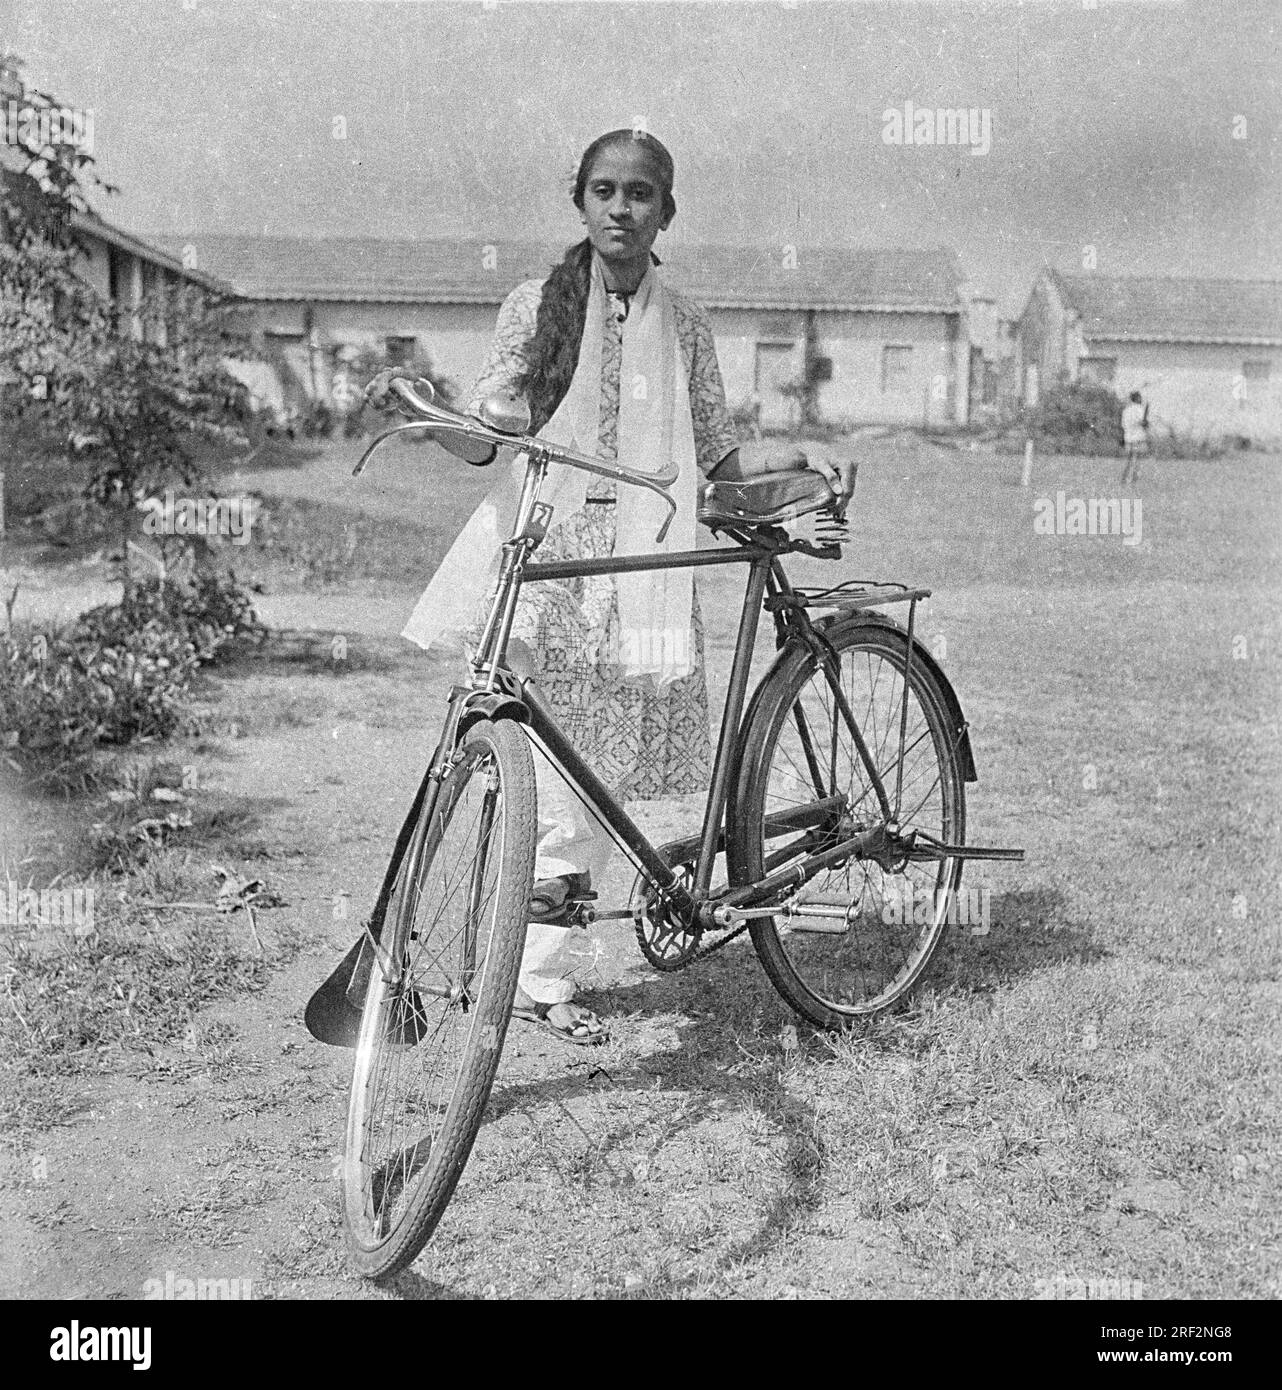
(400, 386)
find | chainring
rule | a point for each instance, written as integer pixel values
(667, 943)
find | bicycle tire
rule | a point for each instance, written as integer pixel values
(829, 974)
(432, 1002)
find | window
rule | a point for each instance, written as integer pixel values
(988, 393)
(1100, 370)
(778, 327)
(400, 350)
(1253, 385)
(896, 367)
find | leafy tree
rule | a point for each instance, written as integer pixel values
(149, 396)
(52, 322)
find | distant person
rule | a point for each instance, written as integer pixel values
(1134, 436)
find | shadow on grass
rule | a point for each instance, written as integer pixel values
(307, 652)
(131, 834)
(729, 1060)
(268, 454)
(1029, 930)
(728, 1002)
(714, 1071)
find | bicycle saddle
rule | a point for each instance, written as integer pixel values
(770, 498)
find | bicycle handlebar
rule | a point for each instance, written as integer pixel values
(439, 419)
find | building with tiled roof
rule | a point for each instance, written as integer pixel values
(1205, 354)
(887, 327)
(125, 269)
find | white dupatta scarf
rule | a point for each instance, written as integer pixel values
(655, 427)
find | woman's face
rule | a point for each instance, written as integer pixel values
(623, 204)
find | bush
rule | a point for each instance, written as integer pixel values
(1081, 418)
(207, 608)
(322, 546)
(119, 673)
(358, 369)
(63, 695)
(1169, 444)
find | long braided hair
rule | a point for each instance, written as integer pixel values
(552, 354)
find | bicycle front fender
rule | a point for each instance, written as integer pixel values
(489, 704)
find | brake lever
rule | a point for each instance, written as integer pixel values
(384, 437)
(667, 520)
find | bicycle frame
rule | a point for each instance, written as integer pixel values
(495, 688)
(496, 691)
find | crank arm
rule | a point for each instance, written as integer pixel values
(802, 916)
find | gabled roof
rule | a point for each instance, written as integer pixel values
(365, 269)
(90, 224)
(1168, 309)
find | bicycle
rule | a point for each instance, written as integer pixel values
(837, 805)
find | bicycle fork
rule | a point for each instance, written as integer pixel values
(475, 889)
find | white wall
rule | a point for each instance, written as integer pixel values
(1198, 389)
(457, 336)
(854, 342)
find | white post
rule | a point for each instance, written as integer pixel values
(135, 297)
(1027, 479)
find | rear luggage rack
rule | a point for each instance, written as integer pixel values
(852, 594)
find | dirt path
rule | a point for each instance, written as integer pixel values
(215, 1159)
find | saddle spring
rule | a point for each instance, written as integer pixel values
(831, 528)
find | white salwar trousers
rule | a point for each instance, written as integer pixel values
(570, 842)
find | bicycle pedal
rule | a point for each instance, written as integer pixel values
(569, 914)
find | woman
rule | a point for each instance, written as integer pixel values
(618, 365)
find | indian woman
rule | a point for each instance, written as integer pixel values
(616, 363)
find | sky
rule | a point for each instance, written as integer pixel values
(1125, 136)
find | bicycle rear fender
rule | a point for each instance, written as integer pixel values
(795, 649)
(920, 653)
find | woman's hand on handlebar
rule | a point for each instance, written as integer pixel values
(379, 391)
(380, 395)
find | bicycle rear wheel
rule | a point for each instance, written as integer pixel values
(883, 921)
(439, 999)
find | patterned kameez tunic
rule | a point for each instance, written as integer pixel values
(642, 743)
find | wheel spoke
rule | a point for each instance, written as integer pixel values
(425, 1061)
(884, 948)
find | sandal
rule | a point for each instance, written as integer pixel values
(550, 898)
(538, 1014)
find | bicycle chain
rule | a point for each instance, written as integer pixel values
(699, 953)
(717, 945)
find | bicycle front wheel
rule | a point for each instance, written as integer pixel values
(439, 999)
(866, 929)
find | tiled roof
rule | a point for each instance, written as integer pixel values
(1168, 309)
(89, 224)
(473, 272)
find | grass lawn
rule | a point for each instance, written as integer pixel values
(1089, 1091)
